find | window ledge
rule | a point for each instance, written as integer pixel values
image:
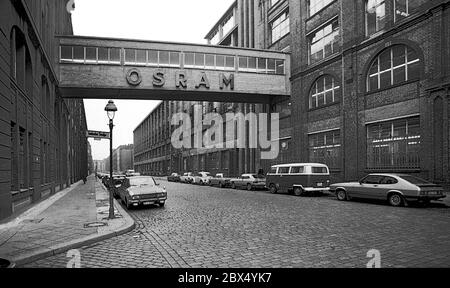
(392, 86)
(324, 106)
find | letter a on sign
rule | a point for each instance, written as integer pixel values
(203, 81)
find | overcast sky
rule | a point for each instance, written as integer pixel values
(164, 20)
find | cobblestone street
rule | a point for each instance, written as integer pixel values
(211, 227)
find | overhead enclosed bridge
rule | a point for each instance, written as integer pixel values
(91, 67)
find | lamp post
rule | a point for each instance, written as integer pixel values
(111, 111)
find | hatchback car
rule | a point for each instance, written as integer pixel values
(142, 190)
(397, 189)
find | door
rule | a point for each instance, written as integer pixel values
(283, 180)
(369, 187)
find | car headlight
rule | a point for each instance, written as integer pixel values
(135, 197)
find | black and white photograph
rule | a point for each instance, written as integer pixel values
(224, 135)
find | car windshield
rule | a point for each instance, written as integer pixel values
(415, 180)
(147, 181)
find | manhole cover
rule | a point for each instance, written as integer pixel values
(95, 224)
(4, 263)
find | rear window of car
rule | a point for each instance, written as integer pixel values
(415, 180)
(319, 170)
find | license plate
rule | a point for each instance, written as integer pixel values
(148, 203)
(432, 193)
(319, 184)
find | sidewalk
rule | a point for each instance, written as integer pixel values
(73, 218)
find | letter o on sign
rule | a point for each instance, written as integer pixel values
(134, 77)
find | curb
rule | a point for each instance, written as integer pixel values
(78, 243)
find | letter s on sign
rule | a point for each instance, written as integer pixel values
(158, 79)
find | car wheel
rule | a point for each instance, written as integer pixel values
(233, 186)
(298, 191)
(249, 187)
(341, 195)
(161, 204)
(201, 182)
(396, 200)
(273, 189)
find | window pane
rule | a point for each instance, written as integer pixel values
(189, 59)
(78, 53)
(329, 97)
(153, 57)
(91, 54)
(385, 60)
(385, 79)
(220, 62)
(321, 98)
(141, 56)
(130, 55)
(262, 65)
(174, 59)
(279, 67)
(114, 55)
(243, 63)
(412, 55)
(399, 55)
(103, 55)
(66, 52)
(271, 66)
(399, 75)
(252, 63)
(164, 58)
(200, 60)
(229, 62)
(209, 61)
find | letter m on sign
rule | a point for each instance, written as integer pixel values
(224, 81)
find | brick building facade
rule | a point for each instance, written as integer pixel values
(370, 86)
(43, 146)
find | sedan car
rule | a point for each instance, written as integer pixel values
(141, 190)
(174, 177)
(397, 189)
(249, 182)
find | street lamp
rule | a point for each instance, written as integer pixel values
(111, 112)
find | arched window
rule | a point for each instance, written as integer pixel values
(325, 91)
(393, 65)
(21, 66)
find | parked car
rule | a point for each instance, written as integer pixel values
(187, 177)
(202, 178)
(397, 189)
(174, 177)
(298, 178)
(248, 181)
(132, 173)
(141, 190)
(220, 180)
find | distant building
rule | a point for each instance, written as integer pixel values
(123, 158)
